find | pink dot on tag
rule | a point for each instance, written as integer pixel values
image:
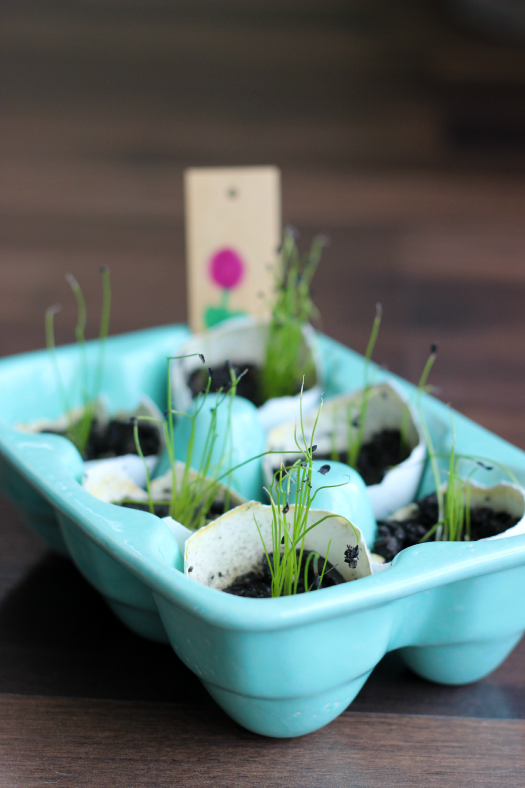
(226, 268)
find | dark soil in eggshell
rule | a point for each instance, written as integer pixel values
(394, 536)
(116, 439)
(257, 584)
(162, 509)
(382, 452)
(248, 387)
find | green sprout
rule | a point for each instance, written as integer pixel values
(356, 421)
(421, 388)
(194, 491)
(78, 431)
(286, 359)
(288, 536)
(426, 432)
(453, 524)
(454, 515)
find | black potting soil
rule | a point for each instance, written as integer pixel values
(377, 456)
(160, 509)
(394, 536)
(248, 386)
(163, 509)
(258, 583)
(116, 439)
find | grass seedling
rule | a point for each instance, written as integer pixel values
(453, 523)
(421, 388)
(192, 500)
(288, 535)
(194, 489)
(454, 516)
(286, 363)
(79, 431)
(356, 419)
(426, 432)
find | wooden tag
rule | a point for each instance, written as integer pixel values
(233, 230)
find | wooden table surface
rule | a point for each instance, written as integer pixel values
(400, 134)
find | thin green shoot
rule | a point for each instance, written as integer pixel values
(79, 431)
(287, 359)
(334, 454)
(356, 424)
(421, 387)
(146, 466)
(195, 489)
(289, 535)
(426, 432)
(103, 329)
(455, 523)
(487, 464)
(51, 347)
(315, 556)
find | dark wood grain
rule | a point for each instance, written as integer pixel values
(104, 743)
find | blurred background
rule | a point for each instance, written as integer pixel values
(399, 127)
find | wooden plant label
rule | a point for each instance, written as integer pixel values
(233, 230)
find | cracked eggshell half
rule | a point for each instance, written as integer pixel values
(501, 497)
(117, 478)
(162, 486)
(61, 424)
(386, 407)
(146, 407)
(231, 545)
(242, 340)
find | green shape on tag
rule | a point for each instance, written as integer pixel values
(217, 314)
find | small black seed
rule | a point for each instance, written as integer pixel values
(485, 466)
(323, 470)
(351, 556)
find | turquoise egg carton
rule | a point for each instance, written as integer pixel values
(280, 667)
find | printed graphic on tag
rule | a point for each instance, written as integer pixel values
(233, 230)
